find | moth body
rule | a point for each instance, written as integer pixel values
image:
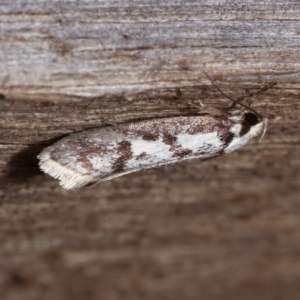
(107, 152)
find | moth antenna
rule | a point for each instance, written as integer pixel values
(231, 99)
(262, 90)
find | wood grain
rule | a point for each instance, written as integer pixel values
(93, 48)
(228, 227)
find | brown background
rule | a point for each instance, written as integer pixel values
(225, 228)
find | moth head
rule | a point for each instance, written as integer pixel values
(252, 122)
(255, 123)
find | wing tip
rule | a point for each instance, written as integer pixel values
(68, 178)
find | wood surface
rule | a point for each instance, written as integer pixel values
(227, 228)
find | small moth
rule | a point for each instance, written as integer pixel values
(107, 152)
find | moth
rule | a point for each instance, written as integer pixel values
(107, 152)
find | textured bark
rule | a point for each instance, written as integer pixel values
(227, 227)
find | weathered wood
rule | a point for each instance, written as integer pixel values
(228, 227)
(90, 48)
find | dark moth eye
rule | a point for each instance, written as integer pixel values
(251, 119)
